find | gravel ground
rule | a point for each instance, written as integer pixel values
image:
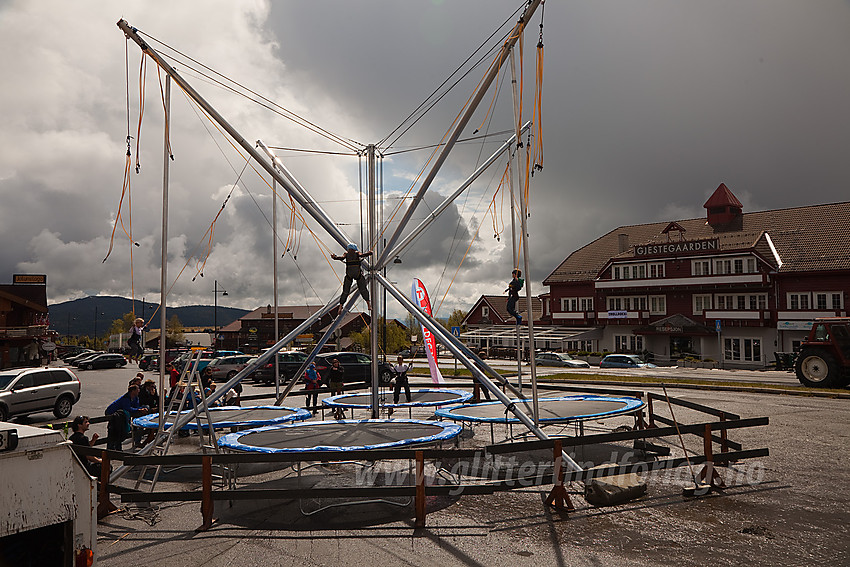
(785, 509)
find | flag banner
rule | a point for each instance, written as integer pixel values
(420, 297)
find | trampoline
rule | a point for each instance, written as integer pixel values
(418, 398)
(342, 435)
(231, 416)
(563, 409)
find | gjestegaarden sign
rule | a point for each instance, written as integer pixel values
(670, 248)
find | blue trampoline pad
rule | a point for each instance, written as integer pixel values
(552, 410)
(342, 435)
(418, 398)
(231, 416)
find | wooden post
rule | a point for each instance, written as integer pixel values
(709, 474)
(559, 498)
(104, 506)
(724, 447)
(206, 494)
(420, 490)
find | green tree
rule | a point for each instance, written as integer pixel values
(397, 338)
(121, 325)
(456, 319)
(173, 332)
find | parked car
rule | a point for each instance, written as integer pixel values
(559, 359)
(31, 390)
(105, 360)
(149, 362)
(206, 357)
(624, 361)
(85, 358)
(289, 362)
(70, 359)
(68, 351)
(226, 367)
(357, 366)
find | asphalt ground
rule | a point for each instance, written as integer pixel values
(789, 508)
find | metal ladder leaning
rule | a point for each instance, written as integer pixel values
(188, 381)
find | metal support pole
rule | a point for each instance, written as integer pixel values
(463, 120)
(163, 274)
(373, 285)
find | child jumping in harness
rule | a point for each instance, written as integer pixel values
(353, 259)
(513, 294)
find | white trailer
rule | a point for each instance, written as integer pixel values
(48, 504)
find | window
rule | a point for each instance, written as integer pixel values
(826, 300)
(762, 301)
(616, 272)
(751, 265)
(701, 303)
(700, 268)
(627, 303)
(485, 311)
(739, 266)
(587, 304)
(641, 271)
(737, 349)
(742, 302)
(626, 272)
(628, 343)
(723, 266)
(656, 270)
(657, 304)
(798, 300)
(569, 304)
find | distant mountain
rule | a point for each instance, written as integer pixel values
(96, 313)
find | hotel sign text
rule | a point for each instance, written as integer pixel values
(670, 248)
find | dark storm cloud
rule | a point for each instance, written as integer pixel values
(647, 107)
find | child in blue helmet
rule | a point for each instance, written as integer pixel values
(353, 259)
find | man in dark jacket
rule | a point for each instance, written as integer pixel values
(121, 411)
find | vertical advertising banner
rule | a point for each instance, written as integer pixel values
(420, 298)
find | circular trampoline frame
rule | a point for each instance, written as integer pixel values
(342, 400)
(448, 431)
(151, 421)
(631, 405)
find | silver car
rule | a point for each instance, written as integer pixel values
(226, 367)
(32, 390)
(559, 359)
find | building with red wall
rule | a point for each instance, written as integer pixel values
(732, 286)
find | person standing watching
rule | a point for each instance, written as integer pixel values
(400, 370)
(336, 383)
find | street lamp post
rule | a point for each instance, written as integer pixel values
(216, 291)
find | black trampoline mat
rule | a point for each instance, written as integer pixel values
(234, 414)
(429, 397)
(550, 410)
(339, 434)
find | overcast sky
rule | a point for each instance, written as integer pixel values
(648, 106)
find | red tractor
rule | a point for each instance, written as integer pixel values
(824, 358)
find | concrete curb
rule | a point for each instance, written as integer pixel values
(719, 387)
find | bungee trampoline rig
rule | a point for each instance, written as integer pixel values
(375, 439)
